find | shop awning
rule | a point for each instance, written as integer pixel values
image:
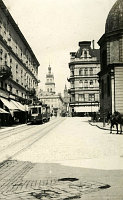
(86, 109)
(3, 111)
(13, 105)
(18, 105)
(9, 104)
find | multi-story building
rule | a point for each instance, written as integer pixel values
(66, 100)
(49, 96)
(18, 64)
(111, 52)
(84, 87)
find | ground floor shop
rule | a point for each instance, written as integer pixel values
(83, 110)
(11, 112)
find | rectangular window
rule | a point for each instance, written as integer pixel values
(91, 97)
(39, 110)
(85, 71)
(91, 83)
(72, 73)
(34, 110)
(81, 97)
(86, 84)
(91, 71)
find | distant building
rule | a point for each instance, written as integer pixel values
(66, 100)
(84, 87)
(111, 52)
(49, 97)
(18, 65)
(50, 84)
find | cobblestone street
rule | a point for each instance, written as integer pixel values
(66, 158)
(14, 186)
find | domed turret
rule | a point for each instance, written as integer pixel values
(49, 69)
(114, 20)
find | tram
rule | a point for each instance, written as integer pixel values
(39, 113)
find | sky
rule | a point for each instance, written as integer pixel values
(53, 29)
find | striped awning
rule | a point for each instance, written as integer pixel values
(2, 111)
(8, 104)
(18, 105)
(13, 105)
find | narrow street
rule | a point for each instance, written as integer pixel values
(66, 158)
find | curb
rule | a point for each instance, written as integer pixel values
(100, 127)
(11, 128)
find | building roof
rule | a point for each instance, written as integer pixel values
(10, 18)
(92, 51)
(114, 20)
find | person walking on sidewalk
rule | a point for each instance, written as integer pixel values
(108, 117)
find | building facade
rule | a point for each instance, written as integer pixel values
(66, 100)
(111, 52)
(84, 87)
(18, 64)
(49, 97)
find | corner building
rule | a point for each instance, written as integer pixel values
(111, 52)
(18, 65)
(84, 87)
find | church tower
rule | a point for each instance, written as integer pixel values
(50, 85)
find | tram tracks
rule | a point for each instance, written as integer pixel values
(10, 133)
(25, 143)
(20, 129)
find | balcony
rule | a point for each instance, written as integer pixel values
(32, 92)
(5, 72)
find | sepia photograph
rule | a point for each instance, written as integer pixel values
(61, 99)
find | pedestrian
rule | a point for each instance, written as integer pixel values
(108, 117)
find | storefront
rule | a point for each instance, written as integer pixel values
(17, 111)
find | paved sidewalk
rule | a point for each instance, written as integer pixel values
(8, 128)
(102, 126)
(15, 126)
